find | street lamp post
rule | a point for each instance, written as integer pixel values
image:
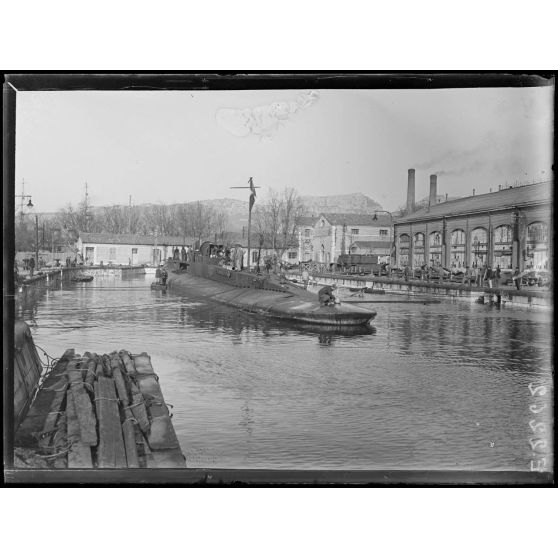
(37, 241)
(29, 204)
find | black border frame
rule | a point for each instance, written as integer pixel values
(112, 81)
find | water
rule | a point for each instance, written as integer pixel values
(438, 386)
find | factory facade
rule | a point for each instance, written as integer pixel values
(508, 228)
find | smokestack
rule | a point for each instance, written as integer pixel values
(433, 186)
(411, 191)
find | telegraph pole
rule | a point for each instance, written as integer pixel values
(37, 241)
(85, 210)
(22, 198)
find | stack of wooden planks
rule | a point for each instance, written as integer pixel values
(99, 411)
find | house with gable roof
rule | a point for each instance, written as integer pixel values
(325, 238)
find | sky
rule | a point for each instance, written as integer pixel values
(181, 146)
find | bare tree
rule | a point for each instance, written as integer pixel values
(133, 216)
(272, 209)
(200, 217)
(24, 235)
(276, 220)
(159, 218)
(219, 224)
(115, 220)
(260, 224)
(292, 209)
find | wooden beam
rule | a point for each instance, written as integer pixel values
(79, 454)
(128, 362)
(110, 452)
(130, 444)
(82, 402)
(139, 410)
(118, 379)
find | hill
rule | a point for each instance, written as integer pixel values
(237, 210)
(342, 203)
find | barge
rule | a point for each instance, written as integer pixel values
(90, 412)
(269, 295)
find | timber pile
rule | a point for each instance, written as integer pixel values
(99, 411)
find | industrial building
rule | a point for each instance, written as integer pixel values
(508, 228)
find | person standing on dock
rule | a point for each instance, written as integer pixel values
(466, 276)
(517, 279)
(484, 275)
(488, 276)
(496, 274)
(31, 266)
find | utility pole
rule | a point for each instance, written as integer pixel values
(86, 209)
(130, 215)
(22, 198)
(250, 205)
(37, 241)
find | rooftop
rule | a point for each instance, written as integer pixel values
(507, 198)
(358, 219)
(140, 239)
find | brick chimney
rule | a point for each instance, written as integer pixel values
(433, 187)
(411, 191)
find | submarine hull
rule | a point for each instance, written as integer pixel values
(262, 295)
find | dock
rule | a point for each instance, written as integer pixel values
(95, 411)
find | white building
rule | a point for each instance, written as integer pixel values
(127, 249)
(325, 238)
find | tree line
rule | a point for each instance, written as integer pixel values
(274, 221)
(194, 220)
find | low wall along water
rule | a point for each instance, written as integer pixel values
(509, 296)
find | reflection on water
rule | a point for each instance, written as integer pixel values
(442, 386)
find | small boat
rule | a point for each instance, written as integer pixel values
(268, 295)
(157, 286)
(367, 290)
(82, 278)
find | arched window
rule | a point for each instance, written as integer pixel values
(435, 248)
(457, 249)
(418, 250)
(479, 247)
(536, 247)
(404, 249)
(503, 247)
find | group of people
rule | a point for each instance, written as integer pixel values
(180, 255)
(482, 276)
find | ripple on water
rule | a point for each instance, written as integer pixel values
(442, 386)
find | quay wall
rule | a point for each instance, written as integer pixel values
(526, 298)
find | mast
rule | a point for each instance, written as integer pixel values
(250, 205)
